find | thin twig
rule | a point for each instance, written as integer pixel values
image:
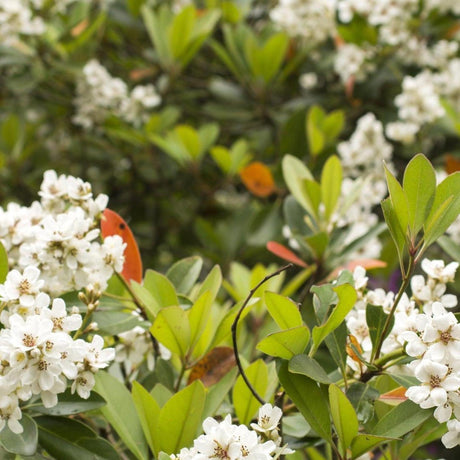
(235, 325)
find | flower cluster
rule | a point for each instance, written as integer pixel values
(362, 158)
(425, 294)
(100, 95)
(223, 440)
(39, 356)
(59, 236)
(312, 20)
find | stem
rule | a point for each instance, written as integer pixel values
(179, 379)
(142, 308)
(134, 296)
(235, 325)
(402, 289)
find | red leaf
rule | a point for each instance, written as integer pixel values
(286, 254)
(114, 224)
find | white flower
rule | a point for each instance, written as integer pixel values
(437, 270)
(452, 437)
(268, 419)
(23, 287)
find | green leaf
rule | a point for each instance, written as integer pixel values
(333, 125)
(431, 430)
(66, 438)
(316, 139)
(190, 140)
(284, 311)
(272, 55)
(394, 228)
(445, 209)
(364, 443)
(160, 288)
(24, 443)
(211, 283)
(419, 185)
(336, 344)
(244, 402)
(148, 412)
(347, 298)
(285, 344)
(398, 200)
(184, 273)
(363, 397)
(120, 412)
(295, 172)
(309, 400)
(180, 31)
(171, 328)
(181, 417)
(4, 269)
(343, 416)
(331, 185)
(199, 316)
(376, 318)
(218, 392)
(70, 404)
(303, 364)
(401, 419)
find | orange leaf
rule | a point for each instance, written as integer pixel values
(258, 179)
(368, 264)
(113, 224)
(396, 396)
(79, 28)
(452, 164)
(213, 366)
(286, 254)
(350, 352)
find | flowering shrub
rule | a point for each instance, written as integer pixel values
(231, 136)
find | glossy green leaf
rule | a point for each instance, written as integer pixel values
(24, 443)
(180, 31)
(161, 289)
(364, 443)
(156, 24)
(120, 412)
(362, 396)
(295, 172)
(316, 139)
(347, 298)
(199, 315)
(284, 311)
(67, 438)
(171, 328)
(246, 405)
(309, 399)
(181, 417)
(344, 417)
(445, 209)
(273, 54)
(184, 273)
(70, 404)
(303, 364)
(218, 392)
(211, 283)
(313, 195)
(399, 201)
(331, 185)
(419, 185)
(401, 419)
(394, 228)
(285, 344)
(148, 412)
